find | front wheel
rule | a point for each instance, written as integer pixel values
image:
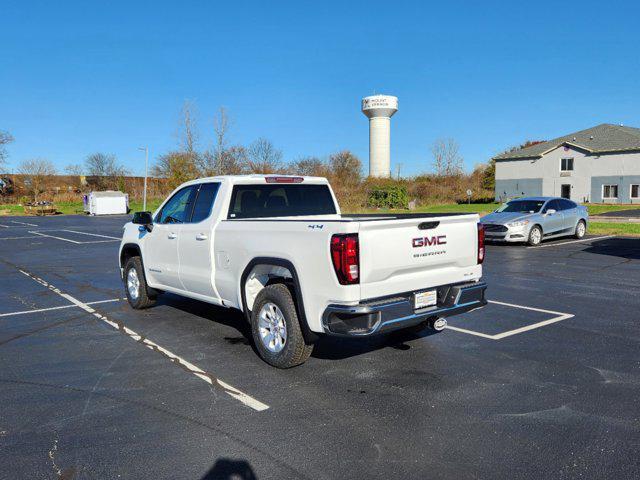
(581, 229)
(535, 236)
(276, 329)
(139, 294)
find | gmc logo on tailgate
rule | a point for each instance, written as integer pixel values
(428, 241)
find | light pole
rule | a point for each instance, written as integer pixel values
(146, 169)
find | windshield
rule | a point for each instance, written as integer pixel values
(522, 206)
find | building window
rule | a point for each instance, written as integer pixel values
(635, 191)
(566, 164)
(610, 191)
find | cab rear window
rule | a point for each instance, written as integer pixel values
(278, 200)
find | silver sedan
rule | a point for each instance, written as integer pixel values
(533, 219)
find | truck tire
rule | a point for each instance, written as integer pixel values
(581, 229)
(139, 294)
(535, 236)
(276, 329)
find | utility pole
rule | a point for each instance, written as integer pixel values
(399, 167)
(146, 172)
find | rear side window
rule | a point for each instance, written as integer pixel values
(178, 208)
(259, 201)
(204, 201)
(567, 204)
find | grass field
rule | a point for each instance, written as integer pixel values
(67, 208)
(599, 228)
(624, 229)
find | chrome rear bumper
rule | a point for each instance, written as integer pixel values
(386, 314)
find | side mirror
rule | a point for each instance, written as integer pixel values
(551, 211)
(143, 218)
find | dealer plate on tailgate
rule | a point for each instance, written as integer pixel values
(425, 299)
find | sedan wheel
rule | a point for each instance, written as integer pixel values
(581, 229)
(535, 236)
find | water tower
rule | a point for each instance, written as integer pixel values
(379, 109)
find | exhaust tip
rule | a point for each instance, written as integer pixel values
(438, 324)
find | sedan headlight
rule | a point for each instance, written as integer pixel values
(520, 223)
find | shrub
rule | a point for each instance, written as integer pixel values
(388, 196)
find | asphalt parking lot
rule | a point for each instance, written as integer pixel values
(544, 382)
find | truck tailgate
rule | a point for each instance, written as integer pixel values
(403, 255)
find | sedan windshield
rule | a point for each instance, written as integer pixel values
(522, 206)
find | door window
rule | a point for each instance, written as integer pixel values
(552, 205)
(178, 208)
(204, 201)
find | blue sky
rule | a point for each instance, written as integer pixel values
(81, 77)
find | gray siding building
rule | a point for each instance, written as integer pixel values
(597, 165)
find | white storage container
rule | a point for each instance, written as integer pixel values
(108, 203)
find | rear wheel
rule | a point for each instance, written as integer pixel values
(276, 329)
(535, 236)
(581, 229)
(139, 294)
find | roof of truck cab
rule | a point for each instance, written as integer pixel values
(257, 179)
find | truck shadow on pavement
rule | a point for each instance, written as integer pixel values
(340, 348)
(326, 348)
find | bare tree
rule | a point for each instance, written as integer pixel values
(5, 139)
(311, 166)
(234, 161)
(187, 128)
(176, 167)
(105, 169)
(221, 159)
(447, 160)
(221, 124)
(74, 169)
(264, 157)
(37, 173)
(345, 166)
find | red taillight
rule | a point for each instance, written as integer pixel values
(284, 179)
(345, 255)
(481, 250)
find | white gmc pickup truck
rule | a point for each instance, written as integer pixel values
(278, 249)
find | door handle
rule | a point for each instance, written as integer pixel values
(171, 236)
(201, 236)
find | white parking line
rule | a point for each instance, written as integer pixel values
(573, 241)
(24, 223)
(197, 371)
(92, 234)
(17, 238)
(73, 305)
(559, 316)
(57, 238)
(114, 239)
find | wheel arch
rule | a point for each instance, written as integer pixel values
(129, 250)
(292, 282)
